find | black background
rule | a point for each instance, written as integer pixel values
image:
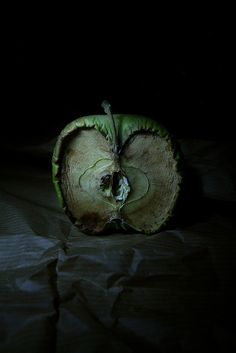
(51, 76)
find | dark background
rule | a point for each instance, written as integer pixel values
(181, 78)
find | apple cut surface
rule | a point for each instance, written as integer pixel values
(135, 187)
(151, 169)
(86, 160)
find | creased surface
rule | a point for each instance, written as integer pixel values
(63, 291)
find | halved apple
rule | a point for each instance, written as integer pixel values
(116, 171)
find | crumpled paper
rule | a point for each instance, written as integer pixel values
(64, 291)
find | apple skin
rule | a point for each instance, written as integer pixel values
(126, 126)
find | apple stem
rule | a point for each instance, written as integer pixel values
(107, 109)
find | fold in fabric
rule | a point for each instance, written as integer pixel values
(64, 291)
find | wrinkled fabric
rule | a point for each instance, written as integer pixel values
(64, 291)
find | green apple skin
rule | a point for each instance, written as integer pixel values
(126, 126)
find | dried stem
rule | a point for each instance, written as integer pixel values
(107, 109)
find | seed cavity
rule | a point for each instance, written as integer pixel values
(115, 185)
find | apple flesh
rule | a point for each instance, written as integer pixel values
(131, 184)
